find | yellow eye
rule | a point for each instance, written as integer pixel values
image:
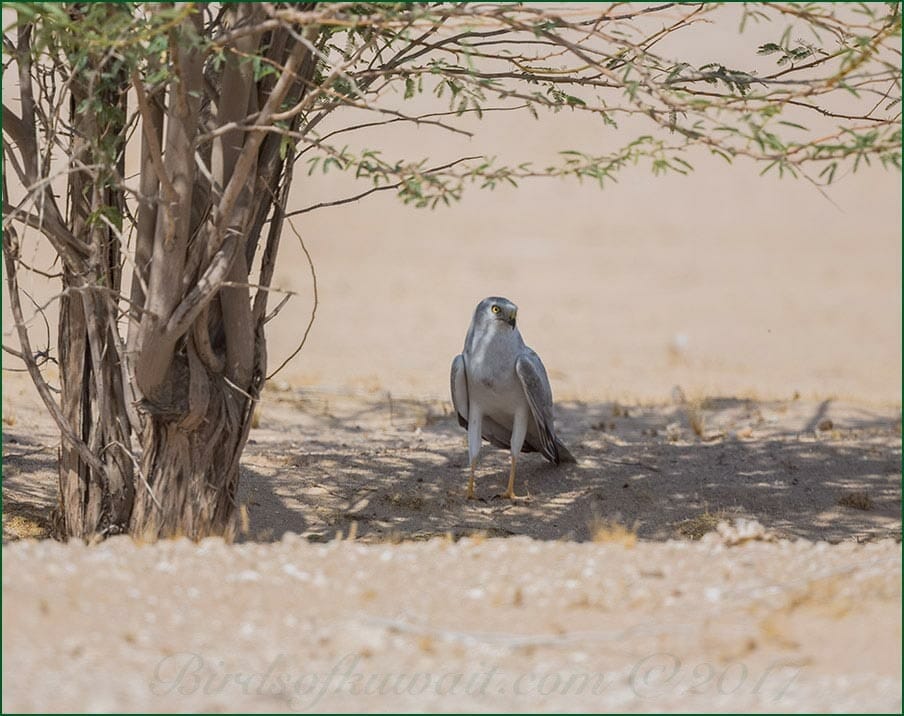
(496, 309)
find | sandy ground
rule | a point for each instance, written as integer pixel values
(777, 312)
(325, 464)
(593, 594)
(516, 624)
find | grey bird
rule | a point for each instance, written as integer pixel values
(500, 391)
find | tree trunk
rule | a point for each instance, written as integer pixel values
(93, 501)
(190, 458)
(182, 385)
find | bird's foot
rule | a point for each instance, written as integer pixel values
(510, 492)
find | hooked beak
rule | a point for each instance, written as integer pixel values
(510, 318)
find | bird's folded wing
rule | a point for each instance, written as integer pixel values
(459, 381)
(533, 378)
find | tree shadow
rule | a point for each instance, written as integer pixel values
(29, 485)
(403, 477)
(257, 496)
(380, 469)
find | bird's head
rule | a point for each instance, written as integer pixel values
(496, 308)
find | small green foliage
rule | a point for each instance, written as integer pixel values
(734, 80)
(800, 52)
(478, 59)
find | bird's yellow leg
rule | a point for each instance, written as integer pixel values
(510, 493)
(471, 482)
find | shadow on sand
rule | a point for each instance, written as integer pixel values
(816, 471)
(385, 469)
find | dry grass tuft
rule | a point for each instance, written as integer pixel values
(857, 500)
(244, 520)
(392, 536)
(353, 531)
(695, 417)
(407, 502)
(693, 409)
(477, 536)
(706, 521)
(613, 532)
(619, 411)
(24, 527)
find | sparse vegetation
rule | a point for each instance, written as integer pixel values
(857, 500)
(612, 531)
(699, 525)
(25, 526)
(404, 500)
(695, 417)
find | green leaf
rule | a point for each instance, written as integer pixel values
(720, 153)
(830, 170)
(768, 49)
(846, 86)
(793, 124)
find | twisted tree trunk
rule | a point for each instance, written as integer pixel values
(184, 384)
(92, 501)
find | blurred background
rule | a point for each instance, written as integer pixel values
(723, 281)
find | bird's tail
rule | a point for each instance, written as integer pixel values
(564, 453)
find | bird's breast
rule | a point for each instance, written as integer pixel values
(490, 359)
(489, 375)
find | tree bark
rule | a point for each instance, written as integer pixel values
(95, 502)
(190, 460)
(202, 383)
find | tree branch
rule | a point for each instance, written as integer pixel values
(9, 254)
